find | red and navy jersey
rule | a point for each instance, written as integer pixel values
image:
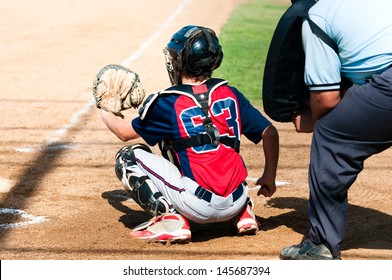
(174, 116)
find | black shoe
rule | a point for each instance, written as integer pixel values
(306, 250)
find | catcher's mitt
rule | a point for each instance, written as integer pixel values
(117, 88)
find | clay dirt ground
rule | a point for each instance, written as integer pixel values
(56, 155)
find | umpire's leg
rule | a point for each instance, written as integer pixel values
(360, 126)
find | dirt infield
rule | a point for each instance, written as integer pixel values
(59, 197)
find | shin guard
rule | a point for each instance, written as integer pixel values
(140, 187)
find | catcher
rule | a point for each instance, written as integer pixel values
(197, 123)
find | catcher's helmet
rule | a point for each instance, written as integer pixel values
(193, 50)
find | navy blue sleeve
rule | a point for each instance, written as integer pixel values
(253, 122)
(160, 122)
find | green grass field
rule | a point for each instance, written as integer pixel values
(245, 40)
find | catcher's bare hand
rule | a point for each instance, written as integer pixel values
(117, 88)
(267, 187)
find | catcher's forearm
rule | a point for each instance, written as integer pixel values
(271, 152)
(121, 128)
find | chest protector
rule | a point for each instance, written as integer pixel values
(284, 90)
(200, 94)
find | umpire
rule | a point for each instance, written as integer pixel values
(348, 126)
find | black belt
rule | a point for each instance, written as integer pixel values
(206, 195)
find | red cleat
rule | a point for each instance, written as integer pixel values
(172, 228)
(246, 222)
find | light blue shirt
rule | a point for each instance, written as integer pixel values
(362, 30)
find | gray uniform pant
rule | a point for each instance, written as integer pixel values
(359, 127)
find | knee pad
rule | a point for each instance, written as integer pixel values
(144, 193)
(126, 157)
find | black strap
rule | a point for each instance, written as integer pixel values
(302, 9)
(201, 140)
(322, 35)
(211, 46)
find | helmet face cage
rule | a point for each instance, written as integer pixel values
(173, 65)
(193, 50)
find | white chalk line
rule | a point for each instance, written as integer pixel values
(62, 132)
(154, 36)
(54, 147)
(31, 219)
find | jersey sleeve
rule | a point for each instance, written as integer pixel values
(157, 126)
(252, 121)
(322, 64)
